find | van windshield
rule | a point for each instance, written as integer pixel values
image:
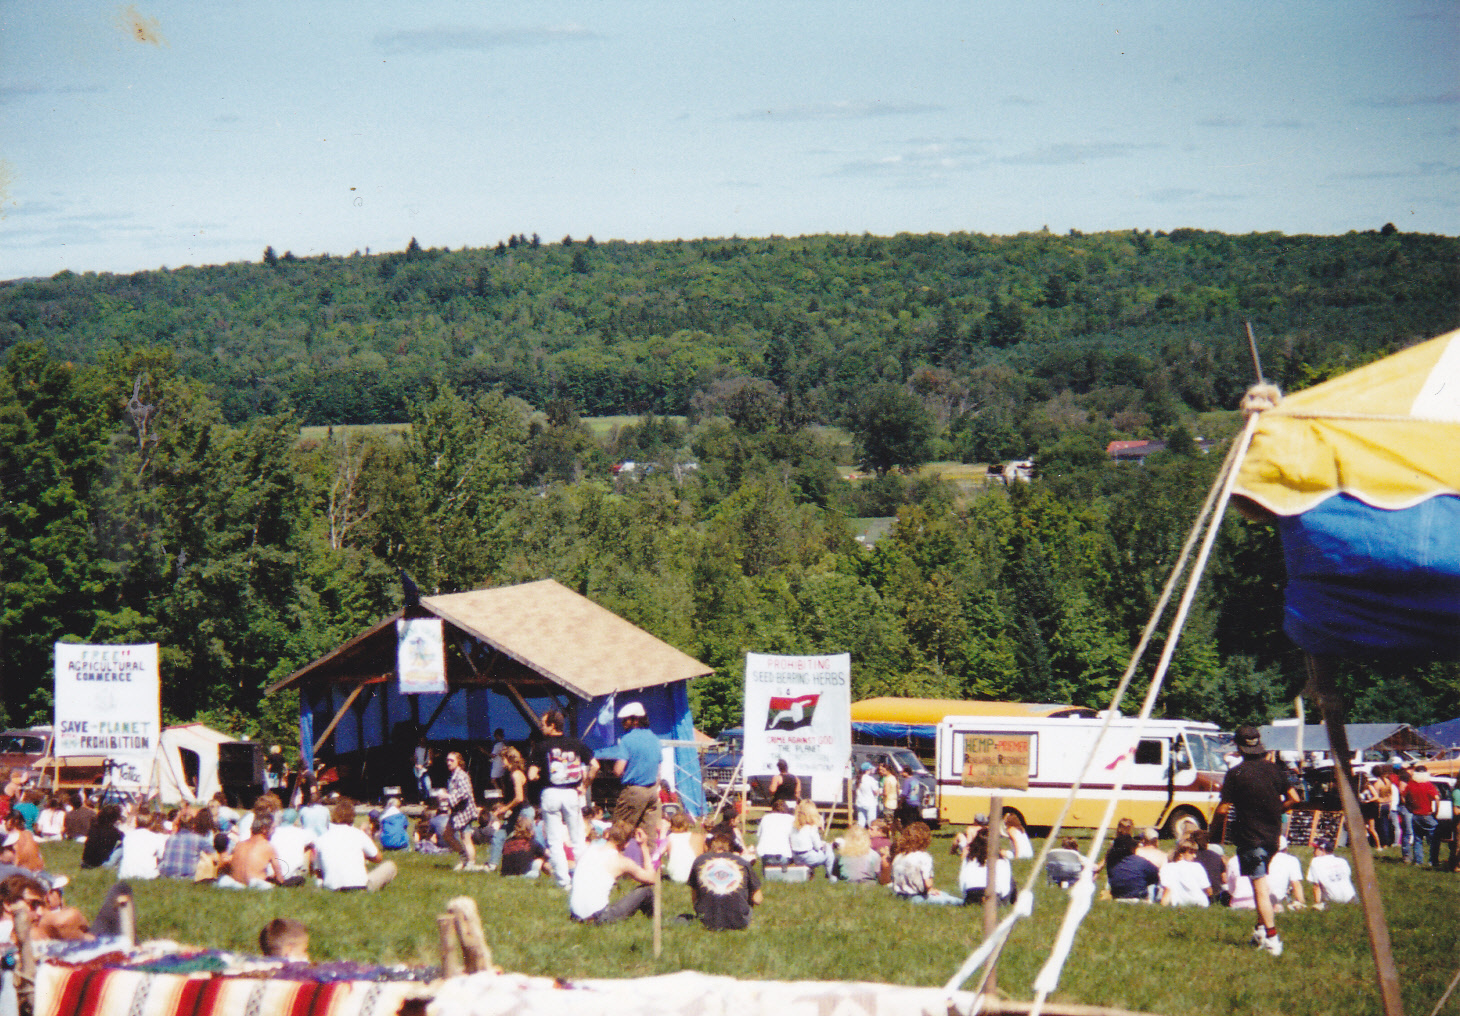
(907, 760)
(1208, 751)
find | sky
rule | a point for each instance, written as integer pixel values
(170, 133)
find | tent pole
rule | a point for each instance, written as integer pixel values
(1323, 687)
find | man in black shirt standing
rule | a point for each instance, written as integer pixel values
(566, 766)
(1255, 793)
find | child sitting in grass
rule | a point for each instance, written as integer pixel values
(1330, 875)
(1184, 882)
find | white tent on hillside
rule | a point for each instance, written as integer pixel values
(185, 767)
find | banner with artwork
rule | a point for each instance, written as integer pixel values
(107, 700)
(799, 708)
(420, 656)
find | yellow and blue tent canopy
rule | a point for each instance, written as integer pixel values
(1363, 476)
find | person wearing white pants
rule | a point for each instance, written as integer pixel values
(568, 766)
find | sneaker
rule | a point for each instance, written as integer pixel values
(1273, 944)
(1258, 936)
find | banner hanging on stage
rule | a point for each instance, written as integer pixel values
(420, 656)
(107, 700)
(799, 708)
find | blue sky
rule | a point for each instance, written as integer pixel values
(172, 133)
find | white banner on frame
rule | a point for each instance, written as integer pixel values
(107, 700)
(799, 708)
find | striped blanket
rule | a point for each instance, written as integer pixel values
(97, 991)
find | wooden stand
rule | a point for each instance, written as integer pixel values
(1323, 687)
(463, 943)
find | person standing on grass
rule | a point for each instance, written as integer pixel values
(603, 863)
(866, 796)
(889, 790)
(568, 767)
(463, 809)
(1255, 794)
(637, 757)
(1422, 798)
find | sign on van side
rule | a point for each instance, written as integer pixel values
(996, 761)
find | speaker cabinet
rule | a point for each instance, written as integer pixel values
(241, 764)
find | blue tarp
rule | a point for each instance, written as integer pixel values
(1365, 580)
(1447, 733)
(894, 731)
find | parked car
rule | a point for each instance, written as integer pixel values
(721, 760)
(28, 751)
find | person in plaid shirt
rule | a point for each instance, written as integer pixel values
(185, 846)
(463, 808)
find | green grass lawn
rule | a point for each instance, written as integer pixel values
(392, 432)
(1145, 958)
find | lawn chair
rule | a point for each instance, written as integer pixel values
(1063, 867)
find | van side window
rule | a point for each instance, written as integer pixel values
(1148, 753)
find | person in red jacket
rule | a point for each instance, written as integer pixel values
(1421, 798)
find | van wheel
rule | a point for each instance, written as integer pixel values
(1181, 824)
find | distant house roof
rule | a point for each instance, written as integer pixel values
(544, 632)
(1133, 451)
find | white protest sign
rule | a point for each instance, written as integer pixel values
(799, 708)
(420, 656)
(107, 700)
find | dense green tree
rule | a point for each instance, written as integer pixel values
(892, 429)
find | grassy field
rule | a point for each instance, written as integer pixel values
(393, 432)
(1144, 958)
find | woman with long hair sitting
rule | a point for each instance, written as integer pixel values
(807, 846)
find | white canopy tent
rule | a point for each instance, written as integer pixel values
(185, 767)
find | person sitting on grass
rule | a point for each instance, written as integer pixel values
(1134, 878)
(142, 847)
(1150, 847)
(27, 850)
(341, 854)
(186, 847)
(1285, 879)
(603, 863)
(286, 939)
(394, 827)
(859, 863)
(973, 874)
(1331, 877)
(912, 869)
(51, 918)
(686, 842)
(1213, 862)
(723, 886)
(773, 839)
(522, 855)
(51, 823)
(807, 846)
(1018, 836)
(1184, 882)
(255, 863)
(1065, 865)
(1121, 847)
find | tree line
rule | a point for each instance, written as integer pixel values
(135, 510)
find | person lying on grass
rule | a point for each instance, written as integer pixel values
(603, 863)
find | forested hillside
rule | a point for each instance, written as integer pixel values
(156, 487)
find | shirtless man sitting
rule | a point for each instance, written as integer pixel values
(254, 864)
(50, 918)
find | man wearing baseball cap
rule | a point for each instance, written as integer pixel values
(637, 756)
(1255, 793)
